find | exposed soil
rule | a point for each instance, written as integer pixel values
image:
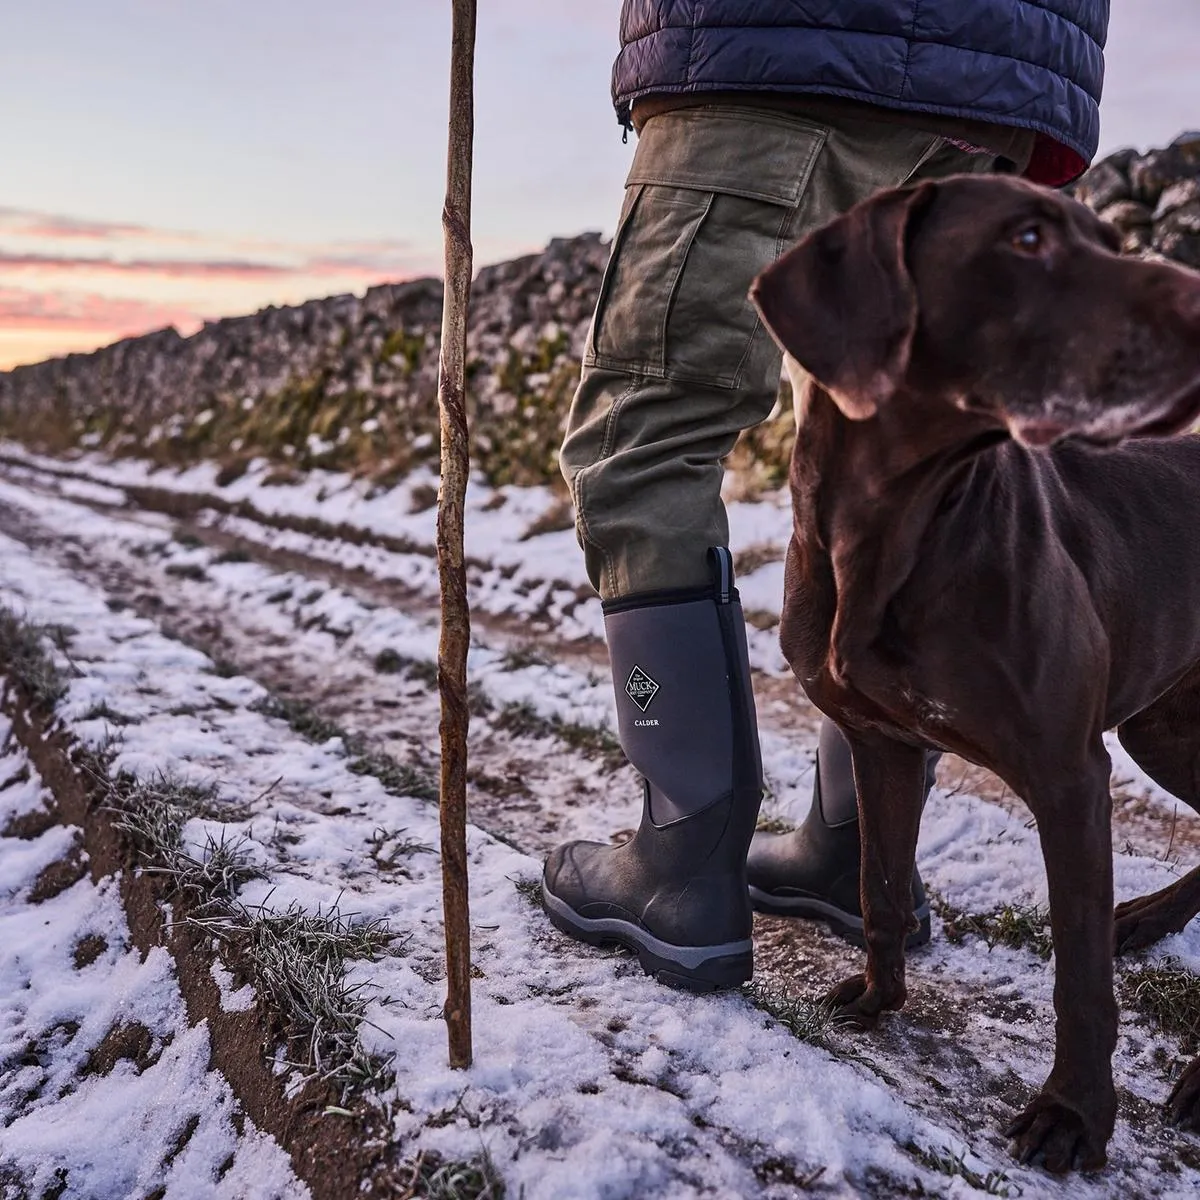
(132, 1041)
(335, 1158)
(59, 876)
(527, 797)
(88, 949)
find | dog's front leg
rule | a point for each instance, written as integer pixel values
(890, 779)
(1069, 1122)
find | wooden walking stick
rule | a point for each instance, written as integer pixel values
(456, 462)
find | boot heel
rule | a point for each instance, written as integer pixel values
(687, 968)
(716, 975)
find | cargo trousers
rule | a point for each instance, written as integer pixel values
(677, 362)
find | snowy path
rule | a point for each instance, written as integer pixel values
(104, 1087)
(589, 1079)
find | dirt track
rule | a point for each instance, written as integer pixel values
(974, 1035)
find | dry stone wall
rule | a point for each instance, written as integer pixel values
(1153, 199)
(345, 382)
(350, 383)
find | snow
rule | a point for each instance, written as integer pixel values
(109, 1134)
(589, 1079)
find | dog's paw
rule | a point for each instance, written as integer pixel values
(1183, 1107)
(1148, 919)
(1058, 1136)
(858, 1002)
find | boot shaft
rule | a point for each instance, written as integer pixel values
(685, 705)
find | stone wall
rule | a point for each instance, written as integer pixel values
(1152, 198)
(350, 383)
(344, 382)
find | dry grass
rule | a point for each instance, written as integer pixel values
(803, 1019)
(946, 1162)
(433, 1178)
(1017, 926)
(1169, 995)
(26, 659)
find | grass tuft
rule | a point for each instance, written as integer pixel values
(301, 717)
(803, 1019)
(524, 720)
(192, 571)
(389, 662)
(396, 777)
(433, 1178)
(101, 711)
(946, 1162)
(153, 814)
(529, 887)
(223, 868)
(390, 849)
(521, 657)
(392, 662)
(1169, 994)
(298, 960)
(1017, 926)
(25, 659)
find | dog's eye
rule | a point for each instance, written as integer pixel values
(1028, 240)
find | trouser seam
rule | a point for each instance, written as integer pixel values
(607, 442)
(584, 529)
(610, 423)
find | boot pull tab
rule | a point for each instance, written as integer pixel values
(721, 562)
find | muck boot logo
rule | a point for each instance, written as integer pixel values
(640, 688)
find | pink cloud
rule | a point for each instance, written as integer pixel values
(33, 223)
(171, 268)
(90, 311)
(235, 258)
(364, 267)
(54, 311)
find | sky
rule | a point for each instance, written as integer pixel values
(166, 162)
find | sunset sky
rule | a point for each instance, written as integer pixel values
(164, 162)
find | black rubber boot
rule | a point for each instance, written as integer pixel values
(813, 872)
(676, 892)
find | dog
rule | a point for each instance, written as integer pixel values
(996, 552)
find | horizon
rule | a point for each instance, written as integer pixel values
(182, 166)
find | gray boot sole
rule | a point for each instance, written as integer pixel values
(846, 925)
(688, 968)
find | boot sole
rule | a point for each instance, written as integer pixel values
(686, 968)
(847, 926)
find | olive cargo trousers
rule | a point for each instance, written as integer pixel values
(677, 362)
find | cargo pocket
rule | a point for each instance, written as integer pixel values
(708, 202)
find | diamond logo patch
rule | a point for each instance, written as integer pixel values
(640, 688)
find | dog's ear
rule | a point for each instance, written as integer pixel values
(843, 305)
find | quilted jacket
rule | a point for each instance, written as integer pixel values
(1035, 64)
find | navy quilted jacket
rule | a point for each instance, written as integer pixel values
(1036, 64)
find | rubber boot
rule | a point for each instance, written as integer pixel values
(813, 872)
(676, 892)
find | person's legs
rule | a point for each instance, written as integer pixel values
(677, 365)
(813, 872)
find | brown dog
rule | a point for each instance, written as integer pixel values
(960, 578)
